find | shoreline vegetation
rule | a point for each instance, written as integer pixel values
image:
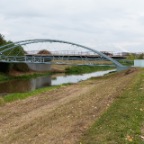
(68, 70)
(20, 96)
(86, 69)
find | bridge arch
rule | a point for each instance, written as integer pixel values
(25, 42)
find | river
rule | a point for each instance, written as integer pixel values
(19, 86)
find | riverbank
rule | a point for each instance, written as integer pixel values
(86, 69)
(12, 75)
(63, 115)
(22, 88)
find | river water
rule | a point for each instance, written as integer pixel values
(15, 86)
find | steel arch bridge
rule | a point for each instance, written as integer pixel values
(45, 59)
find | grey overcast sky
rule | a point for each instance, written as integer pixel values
(113, 25)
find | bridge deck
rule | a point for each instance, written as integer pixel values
(49, 58)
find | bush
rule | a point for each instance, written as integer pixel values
(22, 67)
(86, 69)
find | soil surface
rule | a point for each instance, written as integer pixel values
(60, 116)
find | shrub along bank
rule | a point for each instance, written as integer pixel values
(86, 69)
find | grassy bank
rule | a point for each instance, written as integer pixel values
(123, 121)
(86, 69)
(14, 75)
(126, 62)
(68, 70)
(20, 96)
(30, 75)
(7, 77)
(3, 77)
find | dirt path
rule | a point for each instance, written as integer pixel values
(60, 116)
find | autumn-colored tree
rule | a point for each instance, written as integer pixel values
(44, 52)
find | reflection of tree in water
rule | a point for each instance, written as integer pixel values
(24, 85)
(15, 86)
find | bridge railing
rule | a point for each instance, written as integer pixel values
(49, 59)
(25, 59)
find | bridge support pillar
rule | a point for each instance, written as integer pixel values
(39, 67)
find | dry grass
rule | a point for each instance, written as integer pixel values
(59, 68)
(98, 62)
(60, 116)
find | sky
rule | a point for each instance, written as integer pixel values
(111, 25)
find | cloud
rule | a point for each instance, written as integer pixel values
(104, 25)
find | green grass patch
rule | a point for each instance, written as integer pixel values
(20, 96)
(29, 76)
(86, 69)
(4, 77)
(122, 123)
(126, 62)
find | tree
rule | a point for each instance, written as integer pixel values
(44, 52)
(2, 40)
(131, 56)
(141, 56)
(17, 51)
(12, 52)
